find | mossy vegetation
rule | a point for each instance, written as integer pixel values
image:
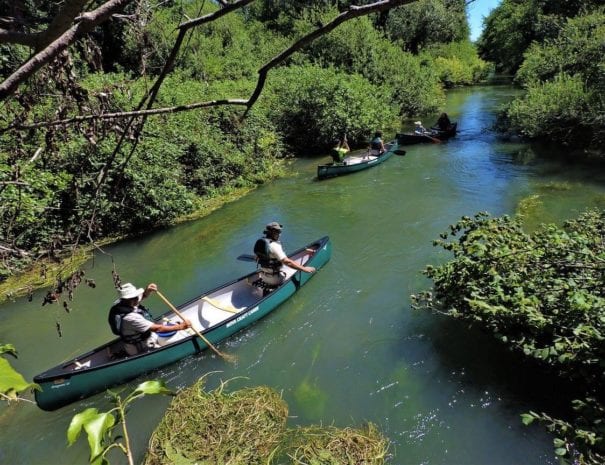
(214, 427)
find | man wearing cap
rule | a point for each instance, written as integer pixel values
(420, 129)
(132, 321)
(272, 259)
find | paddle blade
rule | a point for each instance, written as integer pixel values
(247, 258)
(399, 152)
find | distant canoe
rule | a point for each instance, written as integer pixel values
(216, 314)
(355, 162)
(434, 135)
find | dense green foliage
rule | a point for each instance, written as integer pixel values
(558, 56)
(514, 25)
(457, 63)
(311, 100)
(66, 184)
(428, 22)
(542, 295)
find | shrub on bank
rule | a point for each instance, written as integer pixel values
(556, 110)
(312, 106)
(541, 294)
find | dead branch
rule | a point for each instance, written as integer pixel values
(128, 114)
(85, 23)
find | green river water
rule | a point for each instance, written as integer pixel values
(347, 348)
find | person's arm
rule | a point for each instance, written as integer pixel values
(296, 266)
(162, 328)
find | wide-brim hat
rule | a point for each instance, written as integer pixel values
(129, 291)
(273, 226)
(418, 123)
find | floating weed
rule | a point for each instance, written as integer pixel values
(554, 186)
(242, 427)
(248, 427)
(337, 446)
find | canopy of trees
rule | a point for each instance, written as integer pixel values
(100, 134)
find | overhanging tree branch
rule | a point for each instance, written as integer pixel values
(352, 12)
(85, 23)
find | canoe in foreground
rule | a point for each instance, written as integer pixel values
(353, 163)
(216, 314)
(433, 134)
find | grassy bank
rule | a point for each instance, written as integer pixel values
(45, 272)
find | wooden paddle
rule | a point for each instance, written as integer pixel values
(229, 358)
(434, 139)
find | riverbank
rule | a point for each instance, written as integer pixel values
(46, 272)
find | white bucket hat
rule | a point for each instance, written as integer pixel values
(128, 291)
(418, 123)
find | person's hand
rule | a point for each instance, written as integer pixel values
(309, 269)
(186, 324)
(151, 287)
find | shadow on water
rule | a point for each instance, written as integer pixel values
(490, 365)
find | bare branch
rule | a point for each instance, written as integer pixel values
(352, 12)
(86, 22)
(128, 114)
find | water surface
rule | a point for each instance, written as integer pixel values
(348, 348)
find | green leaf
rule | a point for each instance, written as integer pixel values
(75, 427)
(96, 428)
(11, 381)
(152, 387)
(527, 418)
(560, 451)
(8, 348)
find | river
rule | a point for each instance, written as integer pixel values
(347, 348)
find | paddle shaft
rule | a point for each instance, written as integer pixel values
(180, 315)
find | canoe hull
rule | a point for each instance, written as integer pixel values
(412, 138)
(333, 170)
(62, 386)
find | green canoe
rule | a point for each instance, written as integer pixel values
(356, 162)
(216, 314)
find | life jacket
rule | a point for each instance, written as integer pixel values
(117, 312)
(376, 143)
(261, 250)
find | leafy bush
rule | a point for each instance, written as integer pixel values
(578, 49)
(457, 63)
(356, 47)
(542, 295)
(427, 22)
(312, 106)
(555, 110)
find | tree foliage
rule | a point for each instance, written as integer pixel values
(542, 295)
(556, 50)
(428, 22)
(80, 160)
